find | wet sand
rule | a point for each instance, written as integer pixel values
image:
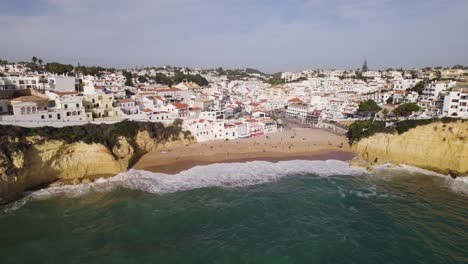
(298, 143)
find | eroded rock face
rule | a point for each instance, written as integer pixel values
(38, 161)
(438, 147)
(123, 149)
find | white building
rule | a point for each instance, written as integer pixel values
(456, 103)
(434, 89)
(405, 84)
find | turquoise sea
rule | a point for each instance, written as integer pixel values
(255, 212)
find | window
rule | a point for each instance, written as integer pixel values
(58, 116)
(42, 116)
(50, 116)
(77, 105)
(66, 106)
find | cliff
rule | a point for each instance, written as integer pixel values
(440, 147)
(32, 159)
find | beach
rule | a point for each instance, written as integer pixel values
(290, 144)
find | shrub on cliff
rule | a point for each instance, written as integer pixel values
(361, 129)
(106, 134)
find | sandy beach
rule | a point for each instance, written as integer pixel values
(296, 143)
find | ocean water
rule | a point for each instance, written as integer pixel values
(255, 212)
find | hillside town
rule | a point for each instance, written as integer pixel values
(220, 104)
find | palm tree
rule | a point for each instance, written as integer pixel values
(34, 59)
(43, 80)
(40, 62)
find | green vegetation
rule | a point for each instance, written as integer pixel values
(162, 79)
(106, 134)
(128, 76)
(365, 68)
(363, 129)
(360, 77)
(58, 68)
(142, 79)
(276, 79)
(419, 87)
(369, 107)
(92, 70)
(254, 71)
(181, 77)
(406, 109)
(43, 80)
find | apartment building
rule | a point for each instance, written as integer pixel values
(456, 103)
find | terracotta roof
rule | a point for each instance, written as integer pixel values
(125, 100)
(29, 98)
(295, 100)
(180, 105)
(65, 93)
(145, 93)
(172, 89)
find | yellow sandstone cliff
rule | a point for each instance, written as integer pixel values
(440, 147)
(46, 161)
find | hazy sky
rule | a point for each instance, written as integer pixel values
(271, 35)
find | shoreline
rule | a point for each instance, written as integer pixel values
(293, 144)
(182, 165)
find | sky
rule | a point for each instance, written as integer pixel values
(270, 35)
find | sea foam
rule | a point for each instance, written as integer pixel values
(214, 175)
(221, 175)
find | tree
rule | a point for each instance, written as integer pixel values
(419, 87)
(34, 59)
(59, 68)
(221, 71)
(128, 78)
(92, 70)
(385, 113)
(406, 109)
(142, 79)
(365, 68)
(162, 79)
(369, 107)
(40, 61)
(43, 80)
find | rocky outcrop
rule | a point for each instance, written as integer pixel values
(440, 147)
(30, 162)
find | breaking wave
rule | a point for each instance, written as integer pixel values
(223, 175)
(214, 175)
